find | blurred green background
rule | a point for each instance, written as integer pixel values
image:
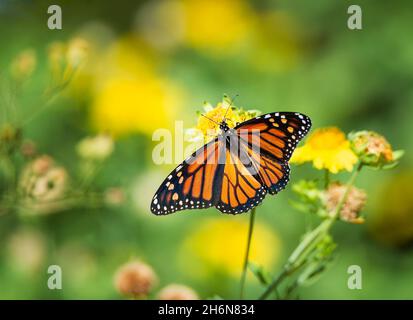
(130, 67)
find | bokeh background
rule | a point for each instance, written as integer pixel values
(126, 68)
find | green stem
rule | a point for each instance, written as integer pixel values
(326, 178)
(247, 252)
(310, 241)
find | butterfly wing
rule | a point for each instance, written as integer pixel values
(235, 180)
(242, 188)
(195, 183)
(269, 141)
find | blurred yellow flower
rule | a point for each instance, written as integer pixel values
(218, 245)
(24, 64)
(126, 106)
(391, 220)
(208, 127)
(127, 57)
(77, 51)
(326, 148)
(65, 58)
(56, 56)
(128, 96)
(216, 25)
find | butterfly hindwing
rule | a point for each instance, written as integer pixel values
(242, 188)
(274, 174)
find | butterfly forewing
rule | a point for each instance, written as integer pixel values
(270, 140)
(276, 133)
(194, 183)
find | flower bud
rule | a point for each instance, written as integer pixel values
(95, 148)
(77, 51)
(23, 65)
(10, 138)
(177, 292)
(135, 279)
(371, 148)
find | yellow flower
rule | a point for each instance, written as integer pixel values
(210, 128)
(56, 56)
(128, 95)
(207, 129)
(77, 51)
(326, 148)
(126, 106)
(218, 245)
(216, 25)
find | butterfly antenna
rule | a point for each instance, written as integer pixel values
(209, 119)
(230, 105)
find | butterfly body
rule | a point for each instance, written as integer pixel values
(236, 170)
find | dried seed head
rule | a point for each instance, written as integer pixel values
(135, 279)
(177, 292)
(351, 208)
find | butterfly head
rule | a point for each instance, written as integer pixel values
(223, 126)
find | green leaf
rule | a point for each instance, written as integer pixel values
(398, 154)
(299, 206)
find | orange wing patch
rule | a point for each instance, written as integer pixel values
(191, 184)
(275, 175)
(241, 188)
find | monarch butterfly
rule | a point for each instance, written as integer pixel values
(236, 170)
